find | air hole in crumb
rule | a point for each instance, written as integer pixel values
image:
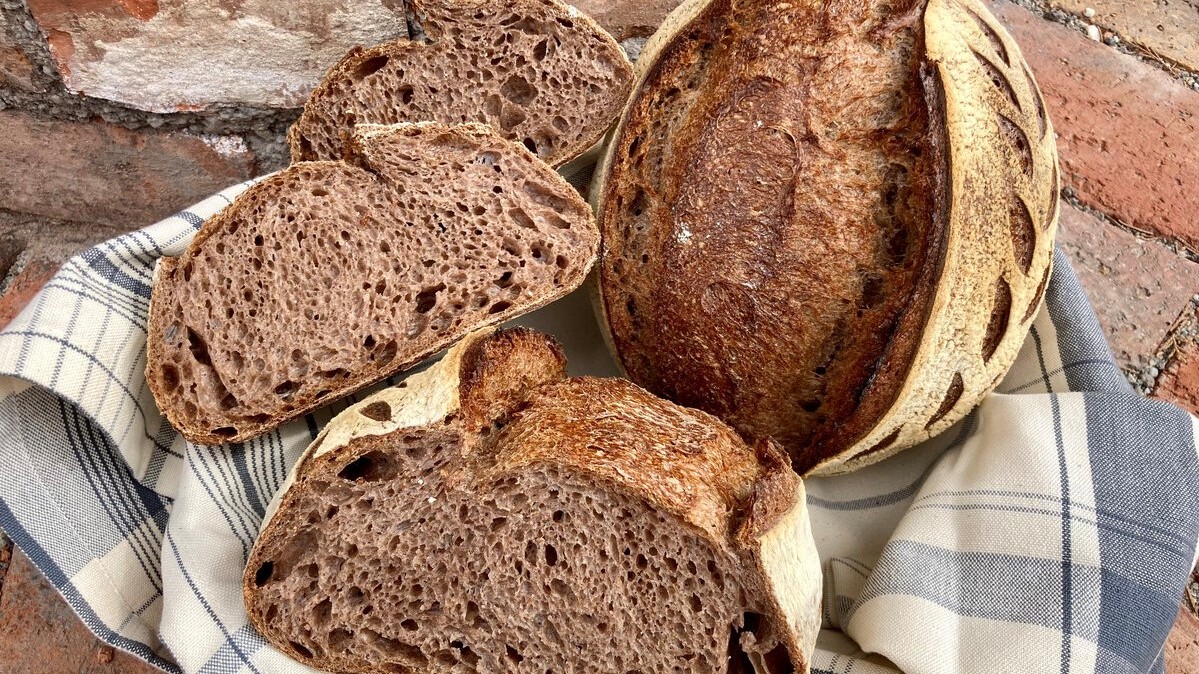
(170, 377)
(499, 306)
(369, 342)
(530, 144)
(301, 649)
(513, 654)
(378, 410)
(427, 298)
(225, 431)
(778, 661)
(198, 348)
(320, 192)
(370, 467)
(405, 93)
(387, 353)
(263, 575)
(370, 66)
(287, 389)
(504, 280)
(518, 90)
(551, 555)
(409, 624)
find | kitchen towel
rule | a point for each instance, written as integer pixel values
(1051, 530)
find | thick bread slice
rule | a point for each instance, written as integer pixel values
(828, 222)
(489, 515)
(329, 276)
(539, 71)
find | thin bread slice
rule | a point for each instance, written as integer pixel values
(538, 71)
(329, 276)
(489, 515)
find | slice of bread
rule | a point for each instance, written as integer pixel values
(490, 515)
(329, 276)
(538, 71)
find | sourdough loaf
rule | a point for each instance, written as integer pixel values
(827, 222)
(329, 276)
(490, 515)
(539, 71)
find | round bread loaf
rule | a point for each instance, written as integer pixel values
(827, 221)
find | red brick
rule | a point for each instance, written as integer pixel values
(39, 634)
(1138, 287)
(1179, 384)
(98, 172)
(1170, 30)
(24, 286)
(1128, 133)
(1182, 647)
(166, 55)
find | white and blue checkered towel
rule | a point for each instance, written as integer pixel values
(1050, 531)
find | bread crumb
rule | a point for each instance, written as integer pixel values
(1093, 32)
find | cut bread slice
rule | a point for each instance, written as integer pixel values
(489, 515)
(329, 276)
(539, 71)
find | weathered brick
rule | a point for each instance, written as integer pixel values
(1179, 384)
(166, 55)
(24, 286)
(97, 172)
(15, 68)
(627, 18)
(1128, 133)
(1182, 647)
(40, 634)
(1138, 287)
(1168, 29)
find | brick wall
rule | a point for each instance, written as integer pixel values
(115, 113)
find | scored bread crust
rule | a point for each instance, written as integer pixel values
(166, 345)
(326, 98)
(507, 393)
(994, 253)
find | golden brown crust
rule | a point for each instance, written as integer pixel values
(498, 373)
(682, 460)
(767, 297)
